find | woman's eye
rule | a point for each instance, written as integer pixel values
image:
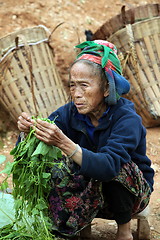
(71, 85)
(81, 86)
(84, 85)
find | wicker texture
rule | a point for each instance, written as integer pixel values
(139, 51)
(119, 21)
(29, 80)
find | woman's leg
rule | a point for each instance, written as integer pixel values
(124, 232)
(120, 202)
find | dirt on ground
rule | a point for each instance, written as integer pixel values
(76, 16)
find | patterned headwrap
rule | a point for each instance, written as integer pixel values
(105, 53)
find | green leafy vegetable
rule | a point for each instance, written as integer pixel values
(31, 186)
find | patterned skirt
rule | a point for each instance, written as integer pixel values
(75, 201)
(132, 178)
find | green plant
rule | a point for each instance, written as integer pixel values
(30, 174)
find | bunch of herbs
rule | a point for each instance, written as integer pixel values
(31, 187)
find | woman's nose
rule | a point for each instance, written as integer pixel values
(78, 91)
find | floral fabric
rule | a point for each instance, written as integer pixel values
(75, 201)
(132, 178)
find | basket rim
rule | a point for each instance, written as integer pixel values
(9, 38)
(134, 25)
(24, 29)
(105, 32)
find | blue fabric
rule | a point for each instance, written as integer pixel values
(121, 83)
(111, 99)
(119, 138)
(118, 86)
(89, 126)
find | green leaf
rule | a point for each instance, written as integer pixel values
(33, 143)
(7, 212)
(13, 151)
(41, 204)
(64, 182)
(54, 153)
(42, 149)
(2, 158)
(46, 175)
(67, 194)
(8, 168)
(18, 204)
(4, 186)
(35, 211)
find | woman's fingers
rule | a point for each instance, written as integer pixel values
(43, 125)
(48, 132)
(22, 127)
(26, 116)
(49, 128)
(24, 122)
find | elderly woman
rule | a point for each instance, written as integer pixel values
(102, 134)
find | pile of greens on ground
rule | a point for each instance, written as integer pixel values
(31, 187)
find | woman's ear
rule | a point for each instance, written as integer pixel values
(106, 91)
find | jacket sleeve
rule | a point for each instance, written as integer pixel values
(125, 136)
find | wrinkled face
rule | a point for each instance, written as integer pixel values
(86, 90)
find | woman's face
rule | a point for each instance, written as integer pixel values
(86, 90)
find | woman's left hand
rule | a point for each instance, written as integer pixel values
(48, 133)
(52, 135)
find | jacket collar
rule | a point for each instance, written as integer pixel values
(78, 123)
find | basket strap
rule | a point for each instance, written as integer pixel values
(133, 59)
(29, 58)
(5, 63)
(131, 16)
(50, 36)
(124, 18)
(131, 55)
(57, 26)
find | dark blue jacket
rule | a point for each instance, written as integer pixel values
(119, 138)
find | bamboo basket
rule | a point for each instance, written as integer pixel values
(139, 52)
(138, 47)
(129, 16)
(29, 80)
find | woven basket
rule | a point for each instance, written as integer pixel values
(29, 80)
(129, 16)
(139, 46)
(139, 51)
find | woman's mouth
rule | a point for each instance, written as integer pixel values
(79, 105)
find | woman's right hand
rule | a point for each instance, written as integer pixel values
(25, 122)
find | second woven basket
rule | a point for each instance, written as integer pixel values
(138, 44)
(139, 52)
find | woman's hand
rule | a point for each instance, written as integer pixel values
(48, 133)
(25, 122)
(52, 135)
